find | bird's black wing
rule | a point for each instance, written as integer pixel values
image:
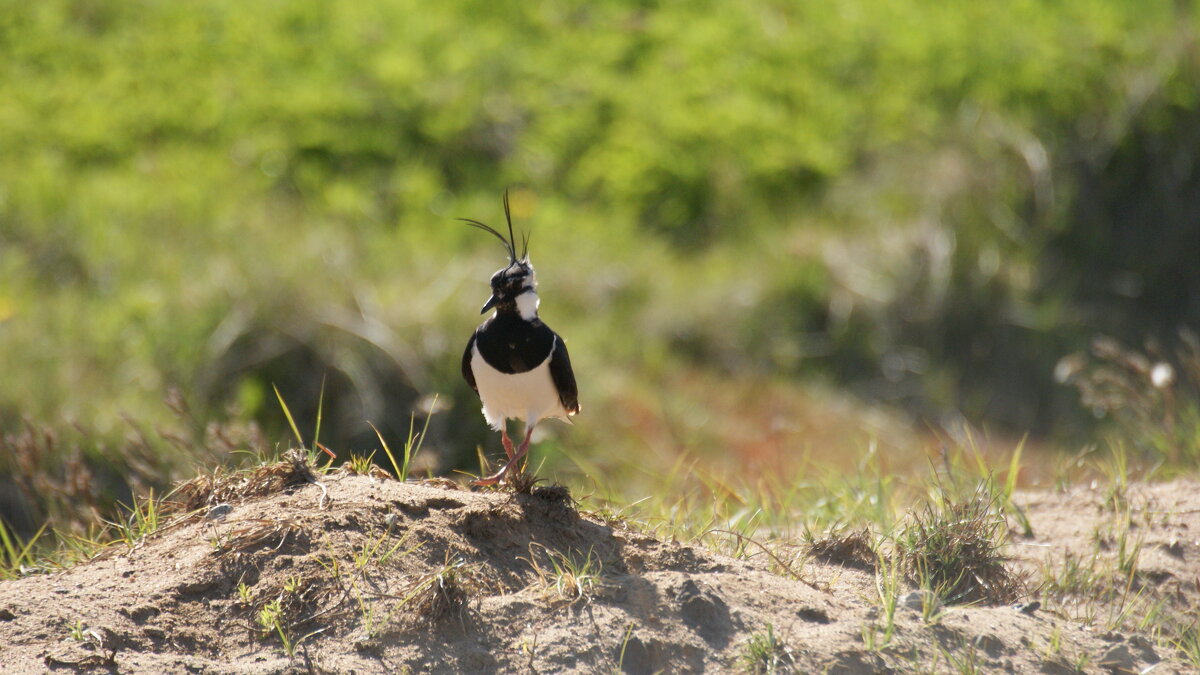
(468, 375)
(563, 376)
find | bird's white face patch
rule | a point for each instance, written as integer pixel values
(527, 304)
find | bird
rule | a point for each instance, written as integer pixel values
(517, 365)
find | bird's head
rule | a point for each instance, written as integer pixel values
(511, 283)
(515, 286)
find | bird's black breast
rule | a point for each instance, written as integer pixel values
(511, 344)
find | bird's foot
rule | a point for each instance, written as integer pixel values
(497, 477)
(503, 476)
(489, 480)
(516, 480)
(511, 466)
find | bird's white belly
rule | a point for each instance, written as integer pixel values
(528, 396)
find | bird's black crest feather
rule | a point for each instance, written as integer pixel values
(508, 247)
(508, 217)
(510, 244)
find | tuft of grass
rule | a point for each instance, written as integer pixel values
(954, 548)
(74, 547)
(16, 556)
(289, 611)
(444, 592)
(142, 521)
(360, 464)
(766, 654)
(245, 594)
(572, 576)
(374, 554)
(271, 619)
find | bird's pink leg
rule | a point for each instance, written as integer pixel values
(524, 445)
(506, 442)
(512, 461)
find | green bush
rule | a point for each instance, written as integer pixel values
(226, 196)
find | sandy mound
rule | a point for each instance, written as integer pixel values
(367, 575)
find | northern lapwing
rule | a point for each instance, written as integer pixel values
(517, 365)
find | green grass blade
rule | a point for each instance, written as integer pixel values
(1014, 468)
(409, 451)
(24, 555)
(288, 414)
(10, 549)
(1010, 487)
(391, 457)
(320, 410)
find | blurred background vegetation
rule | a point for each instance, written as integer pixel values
(775, 234)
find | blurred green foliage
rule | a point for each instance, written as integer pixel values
(220, 196)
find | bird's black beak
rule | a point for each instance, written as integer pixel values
(489, 304)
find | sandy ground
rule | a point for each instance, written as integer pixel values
(375, 576)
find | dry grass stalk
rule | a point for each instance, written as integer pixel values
(848, 549)
(221, 486)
